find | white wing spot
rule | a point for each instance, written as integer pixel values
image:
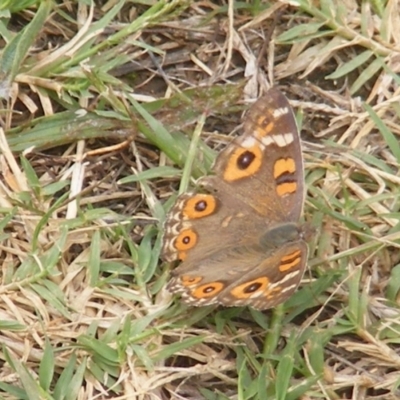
(249, 142)
(280, 140)
(289, 288)
(279, 112)
(289, 137)
(267, 140)
(175, 229)
(176, 216)
(284, 279)
(283, 139)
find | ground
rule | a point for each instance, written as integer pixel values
(108, 110)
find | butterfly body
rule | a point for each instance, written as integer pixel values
(240, 242)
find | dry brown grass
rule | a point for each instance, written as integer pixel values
(99, 105)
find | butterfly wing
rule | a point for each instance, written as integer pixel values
(263, 168)
(234, 230)
(249, 276)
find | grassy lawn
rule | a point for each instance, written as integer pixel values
(107, 112)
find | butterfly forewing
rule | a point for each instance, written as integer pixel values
(264, 166)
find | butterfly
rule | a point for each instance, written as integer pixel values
(239, 239)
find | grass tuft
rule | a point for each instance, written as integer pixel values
(107, 111)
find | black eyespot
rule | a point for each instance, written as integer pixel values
(253, 287)
(245, 159)
(208, 289)
(200, 206)
(186, 240)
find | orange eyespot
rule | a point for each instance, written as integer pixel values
(187, 280)
(199, 206)
(208, 290)
(243, 162)
(185, 240)
(264, 126)
(248, 289)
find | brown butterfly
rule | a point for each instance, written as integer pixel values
(240, 242)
